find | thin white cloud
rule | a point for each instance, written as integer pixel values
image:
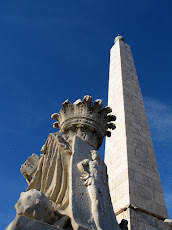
(160, 119)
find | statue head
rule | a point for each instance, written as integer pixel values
(89, 121)
(94, 155)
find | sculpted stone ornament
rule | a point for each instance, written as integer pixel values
(68, 184)
(89, 122)
(36, 205)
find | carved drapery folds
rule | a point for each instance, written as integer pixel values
(52, 173)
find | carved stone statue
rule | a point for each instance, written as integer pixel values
(94, 180)
(68, 184)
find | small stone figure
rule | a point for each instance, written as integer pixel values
(93, 179)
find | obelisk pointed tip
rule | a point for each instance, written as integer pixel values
(119, 37)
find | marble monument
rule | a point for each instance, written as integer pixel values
(134, 180)
(68, 184)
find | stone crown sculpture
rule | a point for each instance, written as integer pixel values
(85, 119)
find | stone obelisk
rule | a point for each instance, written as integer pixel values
(134, 180)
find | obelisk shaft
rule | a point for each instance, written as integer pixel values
(132, 169)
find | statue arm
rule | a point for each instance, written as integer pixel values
(85, 176)
(81, 165)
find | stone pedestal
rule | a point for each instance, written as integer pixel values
(132, 168)
(139, 220)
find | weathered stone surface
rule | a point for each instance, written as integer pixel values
(138, 220)
(68, 184)
(79, 196)
(36, 205)
(133, 173)
(147, 221)
(88, 121)
(90, 204)
(29, 167)
(25, 223)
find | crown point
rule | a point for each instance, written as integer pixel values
(65, 103)
(111, 118)
(77, 102)
(99, 102)
(56, 125)
(111, 126)
(107, 110)
(55, 116)
(87, 98)
(108, 133)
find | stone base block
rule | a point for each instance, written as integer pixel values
(145, 221)
(139, 220)
(25, 223)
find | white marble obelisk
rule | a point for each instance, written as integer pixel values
(134, 180)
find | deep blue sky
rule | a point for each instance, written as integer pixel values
(54, 50)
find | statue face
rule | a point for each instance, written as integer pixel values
(94, 155)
